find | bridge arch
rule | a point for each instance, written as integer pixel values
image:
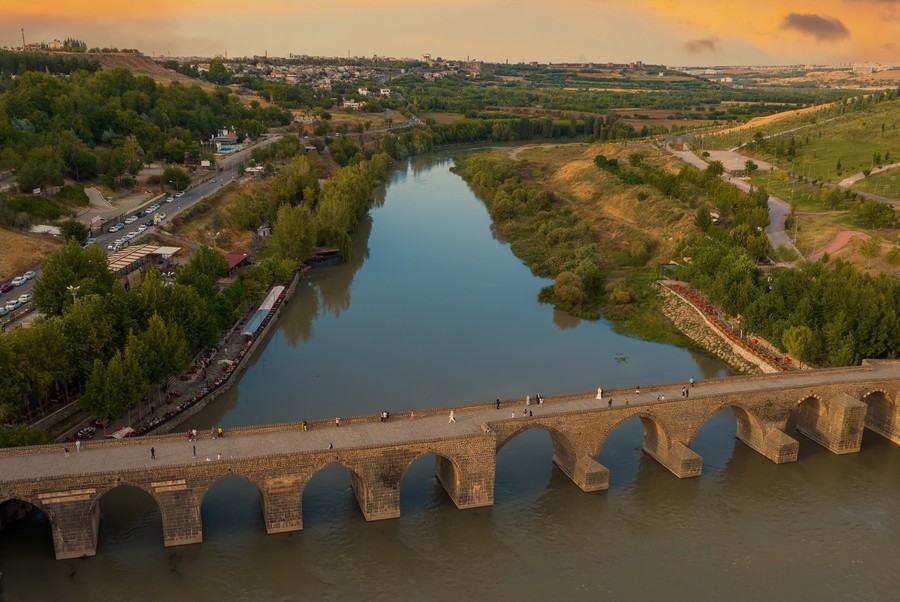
(237, 512)
(654, 436)
(749, 426)
(13, 498)
(447, 468)
(358, 483)
(562, 445)
(881, 415)
(111, 511)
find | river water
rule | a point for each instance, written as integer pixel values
(435, 310)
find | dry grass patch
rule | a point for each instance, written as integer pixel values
(23, 251)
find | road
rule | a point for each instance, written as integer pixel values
(198, 191)
(778, 208)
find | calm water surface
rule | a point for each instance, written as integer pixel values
(435, 310)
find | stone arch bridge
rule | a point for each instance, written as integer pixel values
(832, 407)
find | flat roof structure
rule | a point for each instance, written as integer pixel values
(131, 258)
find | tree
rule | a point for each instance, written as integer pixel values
(871, 249)
(892, 258)
(703, 219)
(74, 229)
(176, 177)
(714, 169)
(797, 340)
(113, 387)
(294, 234)
(569, 288)
(43, 167)
(750, 166)
(163, 349)
(86, 271)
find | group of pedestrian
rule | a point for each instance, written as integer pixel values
(385, 416)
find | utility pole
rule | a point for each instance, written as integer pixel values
(23, 38)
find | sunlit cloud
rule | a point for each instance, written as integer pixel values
(703, 45)
(823, 29)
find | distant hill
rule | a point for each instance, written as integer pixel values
(140, 64)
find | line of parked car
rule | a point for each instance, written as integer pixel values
(15, 303)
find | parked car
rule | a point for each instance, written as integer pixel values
(13, 304)
(162, 216)
(114, 228)
(149, 222)
(29, 275)
(142, 227)
(3, 311)
(6, 287)
(24, 298)
(19, 281)
(87, 432)
(179, 194)
(152, 208)
(170, 198)
(130, 219)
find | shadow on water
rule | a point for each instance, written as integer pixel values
(328, 500)
(231, 509)
(524, 469)
(420, 490)
(130, 523)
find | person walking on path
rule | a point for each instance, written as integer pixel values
(609, 403)
(66, 451)
(337, 421)
(193, 451)
(452, 417)
(691, 381)
(527, 400)
(77, 445)
(540, 400)
(152, 453)
(599, 392)
(498, 403)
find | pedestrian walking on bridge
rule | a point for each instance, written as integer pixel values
(452, 417)
(152, 453)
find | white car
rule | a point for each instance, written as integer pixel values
(18, 281)
(130, 235)
(161, 216)
(24, 297)
(13, 305)
(29, 275)
(113, 229)
(142, 227)
(152, 207)
(3, 310)
(179, 194)
(169, 199)
(131, 219)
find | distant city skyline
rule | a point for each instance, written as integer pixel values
(714, 32)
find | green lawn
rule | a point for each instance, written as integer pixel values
(886, 184)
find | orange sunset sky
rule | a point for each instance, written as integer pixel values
(698, 32)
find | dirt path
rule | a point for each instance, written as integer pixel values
(840, 241)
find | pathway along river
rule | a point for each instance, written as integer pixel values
(435, 310)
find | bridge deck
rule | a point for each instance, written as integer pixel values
(48, 461)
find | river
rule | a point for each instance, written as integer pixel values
(435, 310)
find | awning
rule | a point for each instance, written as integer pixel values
(123, 432)
(254, 323)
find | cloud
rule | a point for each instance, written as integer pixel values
(823, 29)
(703, 45)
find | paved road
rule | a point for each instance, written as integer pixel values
(778, 208)
(197, 192)
(49, 461)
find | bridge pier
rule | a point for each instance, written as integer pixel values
(282, 504)
(180, 508)
(775, 444)
(585, 471)
(75, 521)
(681, 460)
(377, 500)
(837, 427)
(471, 484)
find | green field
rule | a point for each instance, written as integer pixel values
(885, 184)
(852, 138)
